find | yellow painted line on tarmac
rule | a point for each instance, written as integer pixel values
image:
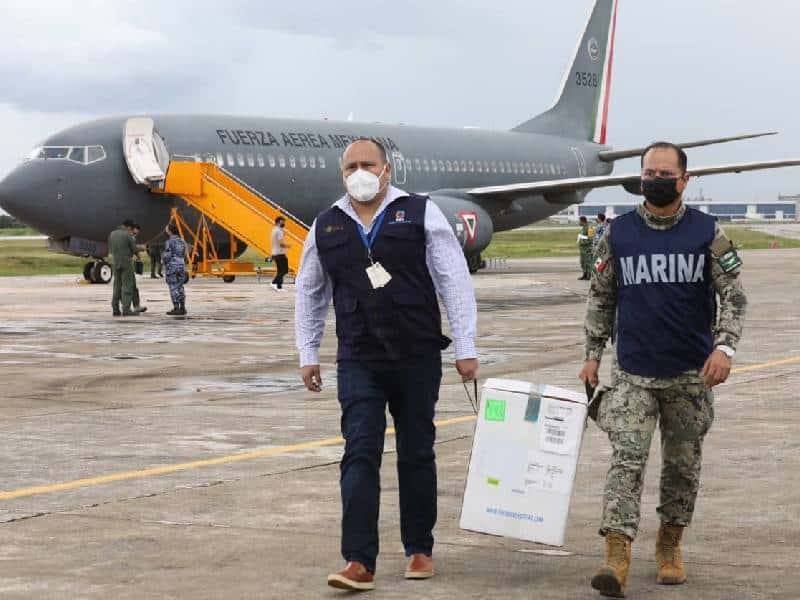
(196, 464)
(774, 363)
(264, 453)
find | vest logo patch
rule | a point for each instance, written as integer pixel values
(400, 216)
(663, 268)
(332, 228)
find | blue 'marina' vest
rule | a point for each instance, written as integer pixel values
(399, 320)
(666, 303)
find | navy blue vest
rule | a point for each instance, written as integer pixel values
(399, 320)
(666, 304)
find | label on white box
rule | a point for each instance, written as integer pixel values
(560, 427)
(549, 472)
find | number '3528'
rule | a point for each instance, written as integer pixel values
(584, 79)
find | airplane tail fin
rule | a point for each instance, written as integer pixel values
(581, 108)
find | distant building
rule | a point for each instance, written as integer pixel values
(785, 208)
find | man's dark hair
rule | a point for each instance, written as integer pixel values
(601, 217)
(136, 226)
(383, 152)
(173, 228)
(583, 219)
(683, 160)
(280, 218)
(127, 223)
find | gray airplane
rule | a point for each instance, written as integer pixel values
(82, 182)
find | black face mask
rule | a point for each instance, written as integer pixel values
(660, 191)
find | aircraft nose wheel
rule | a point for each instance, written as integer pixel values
(100, 272)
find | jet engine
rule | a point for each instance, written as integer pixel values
(471, 223)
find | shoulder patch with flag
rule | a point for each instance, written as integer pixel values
(600, 265)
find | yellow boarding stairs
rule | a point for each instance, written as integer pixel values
(224, 200)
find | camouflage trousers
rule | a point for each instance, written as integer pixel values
(586, 259)
(175, 279)
(628, 412)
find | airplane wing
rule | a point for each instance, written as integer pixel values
(630, 182)
(612, 155)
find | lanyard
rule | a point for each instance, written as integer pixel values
(369, 241)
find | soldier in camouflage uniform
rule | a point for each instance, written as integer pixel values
(670, 352)
(585, 246)
(173, 258)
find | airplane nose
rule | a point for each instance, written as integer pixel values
(6, 195)
(19, 192)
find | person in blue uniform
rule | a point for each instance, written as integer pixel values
(173, 258)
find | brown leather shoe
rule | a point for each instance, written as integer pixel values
(354, 577)
(420, 566)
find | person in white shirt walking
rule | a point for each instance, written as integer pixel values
(383, 256)
(279, 247)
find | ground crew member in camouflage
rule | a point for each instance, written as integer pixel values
(122, 247)
(669, 354)
(174, 259)
(154, 252)
(137, 303)
(585, 246)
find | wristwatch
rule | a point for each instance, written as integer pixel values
(726, 350)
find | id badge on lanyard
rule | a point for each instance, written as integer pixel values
(378, 276)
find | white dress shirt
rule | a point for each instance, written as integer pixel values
(446, 264)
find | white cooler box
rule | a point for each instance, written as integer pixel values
(524, 457)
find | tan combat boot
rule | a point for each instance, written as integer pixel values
(612, 577)
(668, 555)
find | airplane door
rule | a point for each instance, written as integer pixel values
(581, 162)
(399, 168)
(145, 151)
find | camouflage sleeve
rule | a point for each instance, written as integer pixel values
(726, 269)
(601, 307)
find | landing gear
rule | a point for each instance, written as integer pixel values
(98, 271)
(475, 263)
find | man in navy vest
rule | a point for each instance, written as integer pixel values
(383, 256)
(658, 272)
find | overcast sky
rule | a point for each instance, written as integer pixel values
(683, 69)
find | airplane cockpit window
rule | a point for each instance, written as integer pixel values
(82, 155)
(78, 154)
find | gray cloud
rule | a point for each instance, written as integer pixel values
(682, 70)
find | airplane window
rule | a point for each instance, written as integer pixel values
(508, 166)
(321, 162)
(303, 163)
(449, 166)
(77, 154)
(251, 161)
(260, 160)
(312, 162)
(479, 166)
(434, 167)
(49, 152)
(292, 161)
(455, 166)
(441, 165)
(463, 166)
(282, 161)
(408, 164)
(515, 167)
(220, 159)
(527, 168)
(471, 166)
(271, 160)
(552, 169)
(230, 160)
(425, 165)
(417, 165)
(502, 166)
(95, 153)
(494, 166)
(240, 159)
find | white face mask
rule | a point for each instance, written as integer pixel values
(363, 186)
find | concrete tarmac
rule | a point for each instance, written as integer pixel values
(151, 457)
